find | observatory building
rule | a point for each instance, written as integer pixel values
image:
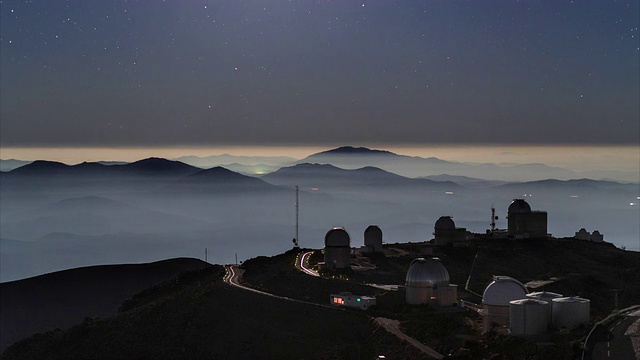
(427, 282)
(373, 239)
(523, 223)
(348, 299)
(337, 249)
(446, 232)
(496, 300)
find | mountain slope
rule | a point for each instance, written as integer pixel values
(197, 316)
(64, 298)
(414, 166)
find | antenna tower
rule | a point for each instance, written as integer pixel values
(493, 219)
(297, 215)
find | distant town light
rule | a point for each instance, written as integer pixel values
(449, 192)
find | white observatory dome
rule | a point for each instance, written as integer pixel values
(519, 206)
(337, 237)
(502, 290)
(445, 222)
(427, 273)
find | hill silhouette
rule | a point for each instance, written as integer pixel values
(65, 298)
(197, 316)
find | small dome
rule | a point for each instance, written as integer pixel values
(427, 273)
(502, 290)
(373, 232)
(445, 222)
(519, 206)
(337, 236)
(373, 237)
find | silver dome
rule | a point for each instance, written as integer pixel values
(427, 273)
(338, 237)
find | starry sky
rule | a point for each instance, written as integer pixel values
(275, 72)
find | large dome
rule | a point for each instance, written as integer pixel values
(519, 206)
(502, 290)
(337, 236)
(427, 273)
(445, 222)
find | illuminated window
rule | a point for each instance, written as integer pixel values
(338, 301)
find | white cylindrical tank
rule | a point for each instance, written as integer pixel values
(545, 296)
(528, 317)
(570, 312)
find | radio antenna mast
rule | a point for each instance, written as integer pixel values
(295, 240)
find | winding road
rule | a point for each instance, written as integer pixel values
(234, 274)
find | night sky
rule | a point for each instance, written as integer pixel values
(209, 73)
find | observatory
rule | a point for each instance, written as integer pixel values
(337, 249)
(373, 239)
(446, 232)
(427, 282)
(497, 297)
(523, 223)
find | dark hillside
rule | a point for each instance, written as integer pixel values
(64, 298)
(197, 316)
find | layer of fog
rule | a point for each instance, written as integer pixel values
(48, 224)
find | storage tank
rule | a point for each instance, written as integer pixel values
(496, 298)
(373, 238)
(337, 249)
(570, 312)
(528, 317)
(545, 296)
(423, 276)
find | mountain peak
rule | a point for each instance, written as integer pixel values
(350, 150)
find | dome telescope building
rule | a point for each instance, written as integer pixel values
(496, 300)
(445, 231)
(522, 223)
(373, 239)
(427, 282)
(337, 249)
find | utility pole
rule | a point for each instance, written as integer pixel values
(205, 255)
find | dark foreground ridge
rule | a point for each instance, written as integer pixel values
(196, 315)
(64, 298)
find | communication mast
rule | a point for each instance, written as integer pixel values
(493, 219)
(295, 239)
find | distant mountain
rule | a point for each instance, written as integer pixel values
(251, 170)
(575, 184)
(465, 180)
(413, 166)
(219, 179)
(325, 175)
(41, 167)
(156, 167)
(146, 167)
(10, 164)
(218, 160)
(65, 298)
